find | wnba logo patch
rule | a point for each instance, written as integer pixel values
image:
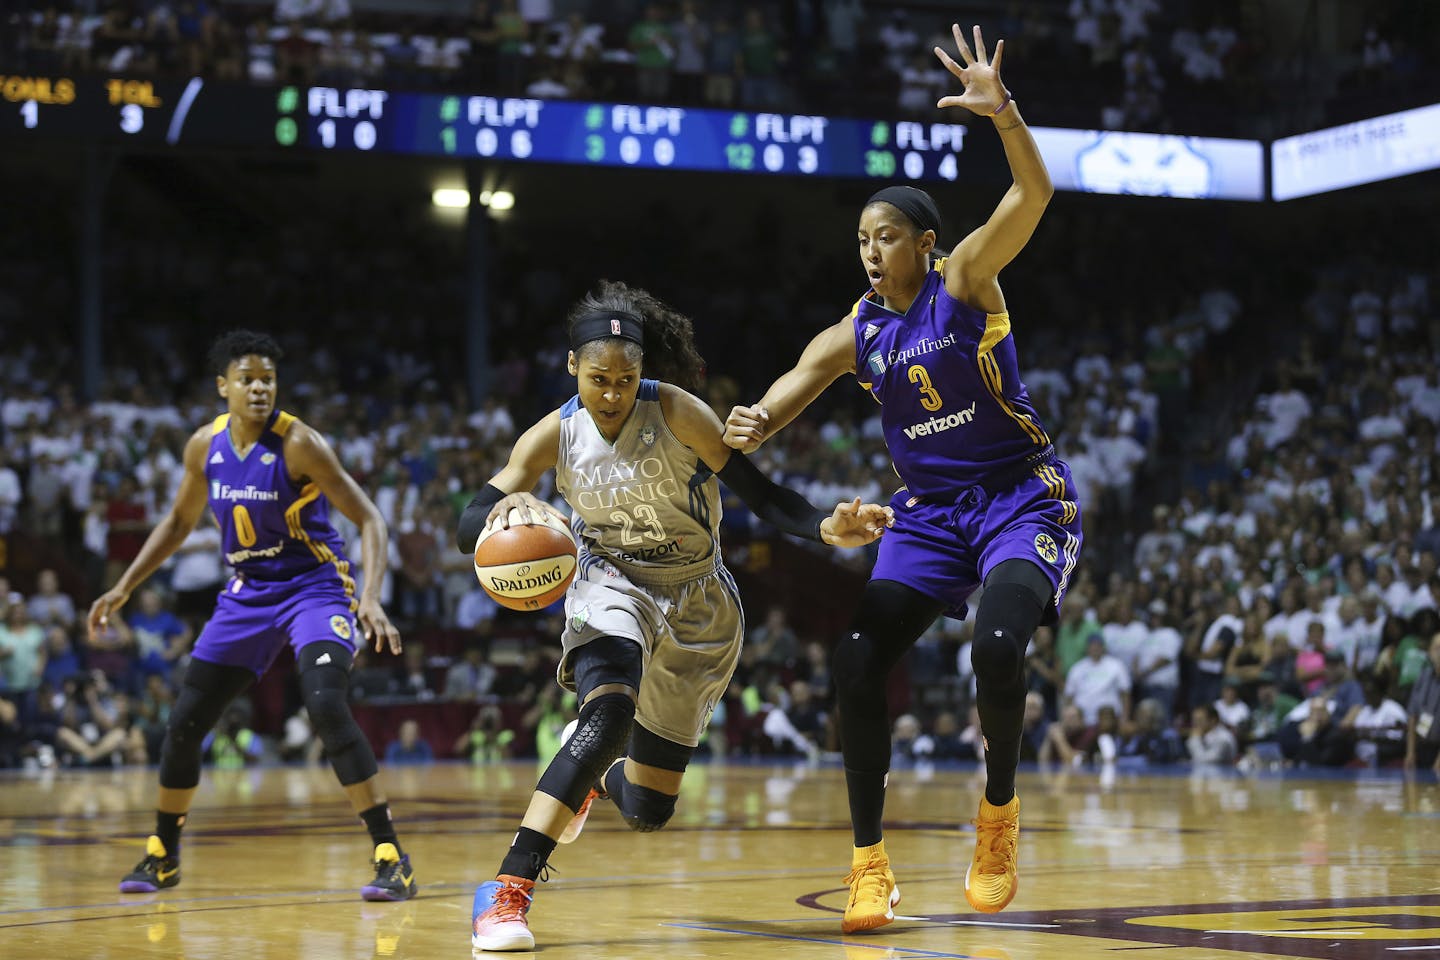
(1045, 546)
(341, 626)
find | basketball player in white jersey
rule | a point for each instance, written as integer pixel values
(653, 621)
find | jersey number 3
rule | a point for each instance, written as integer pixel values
(929, 399)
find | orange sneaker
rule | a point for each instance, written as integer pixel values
(992, 880)
(873, 893)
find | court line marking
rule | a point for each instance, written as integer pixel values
(832, 941)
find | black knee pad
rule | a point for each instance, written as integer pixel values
(206, 691)
(1016, 594)
(607, 660)
(646, 810)
(600, 738)
(653, 750)
(325, 690)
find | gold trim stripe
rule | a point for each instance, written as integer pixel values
(322, 552)
(218, 425)
(990, 373)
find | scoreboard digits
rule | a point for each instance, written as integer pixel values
(523, 129)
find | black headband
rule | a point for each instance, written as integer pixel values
(915, 203)
(602, 324)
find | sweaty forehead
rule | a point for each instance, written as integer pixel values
(252, 364)
(607, 356)
(879, 215)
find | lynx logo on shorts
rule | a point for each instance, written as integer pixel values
(1045, 546)
(647, 436)
(341, 626)
(267, 458)
(580, 618)
(876, 363)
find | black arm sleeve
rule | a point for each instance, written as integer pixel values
(472, 521)
(784, 508)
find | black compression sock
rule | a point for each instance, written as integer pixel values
(381, 827)
(528, 854)
(167, 828)
(1001, 758)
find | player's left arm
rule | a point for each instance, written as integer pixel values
(976, 262)
(312, 461)
(852, 524)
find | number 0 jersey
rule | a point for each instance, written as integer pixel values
(645, 502)
(953, 406)
(269, 528)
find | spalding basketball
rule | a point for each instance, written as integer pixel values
(527, 566)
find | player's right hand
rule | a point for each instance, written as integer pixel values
(531, 508)
(101, 609)
(745, 428)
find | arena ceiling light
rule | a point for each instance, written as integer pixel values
(450, 198)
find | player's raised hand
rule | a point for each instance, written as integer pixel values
(376, 626)
(100, 610)
(854, 524)
(980, 75)
(745, 428)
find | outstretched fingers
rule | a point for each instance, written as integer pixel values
(961, 45)
(980, 45)
(950, 63)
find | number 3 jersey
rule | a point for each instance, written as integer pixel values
(645, 501)
(270, 529)
(952, 404)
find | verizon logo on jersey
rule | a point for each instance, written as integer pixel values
(940, 424)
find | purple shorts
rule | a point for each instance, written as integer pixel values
(254, 619)
(945, 549)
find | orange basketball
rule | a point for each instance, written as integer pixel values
(527, 566)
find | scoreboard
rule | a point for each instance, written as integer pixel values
(198, 112)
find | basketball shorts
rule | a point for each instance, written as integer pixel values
(254, 619)
(945, 549)
(690, 631)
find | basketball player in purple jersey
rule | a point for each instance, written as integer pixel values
(269, 479)
(985, 501)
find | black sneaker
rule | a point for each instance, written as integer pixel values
(394, 880)
(156, 872)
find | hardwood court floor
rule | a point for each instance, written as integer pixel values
(1180, 866)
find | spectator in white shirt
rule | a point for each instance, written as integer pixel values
(1097, 680)
(48, 606)
(10, 495)
(1209, 742)
(1157, 662)
(1232, 711)
(1378, 725)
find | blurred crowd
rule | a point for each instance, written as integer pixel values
(1261, 523)
(1229, 68)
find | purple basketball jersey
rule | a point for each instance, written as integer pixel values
(270, 529)
(953, 406)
